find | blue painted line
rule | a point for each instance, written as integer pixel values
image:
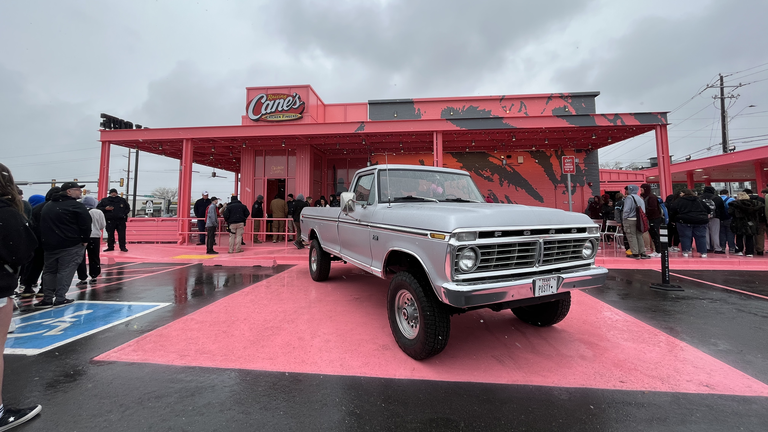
(41, 331)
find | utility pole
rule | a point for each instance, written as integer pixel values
(128, 176)
(723, 116)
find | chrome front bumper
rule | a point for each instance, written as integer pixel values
(464, 295)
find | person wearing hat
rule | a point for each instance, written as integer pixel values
(257, 212)
(116, 211)
(201, 206)
(65, 228)
(94, 261)
(211, 225)
(235, 214)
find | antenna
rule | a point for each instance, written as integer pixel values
(389, 194)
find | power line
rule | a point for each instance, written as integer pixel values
(744, 70)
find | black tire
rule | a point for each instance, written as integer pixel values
(319, 262)
(544, 314)
(427, 323)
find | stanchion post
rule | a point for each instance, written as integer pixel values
(664, 246)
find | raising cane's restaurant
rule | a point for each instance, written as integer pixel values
(290, 141)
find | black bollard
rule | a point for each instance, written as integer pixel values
(663, 244)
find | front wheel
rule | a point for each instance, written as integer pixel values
(319, 262)
(419, 322)
(544, 314)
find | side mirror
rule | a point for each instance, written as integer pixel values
(347, 202)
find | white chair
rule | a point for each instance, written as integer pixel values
(611, 227)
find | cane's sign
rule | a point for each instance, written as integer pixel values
(275, 107)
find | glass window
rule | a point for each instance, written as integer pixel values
(363, 189)
(424, 185)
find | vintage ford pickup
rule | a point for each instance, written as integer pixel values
(446, 251)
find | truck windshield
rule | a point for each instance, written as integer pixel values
(420, 185)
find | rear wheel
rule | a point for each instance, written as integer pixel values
(419, 321)
(319, 262)
(544, 314)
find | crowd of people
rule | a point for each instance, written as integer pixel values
(284, 212)
(710, 222)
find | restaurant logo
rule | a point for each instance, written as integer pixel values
(275, 107)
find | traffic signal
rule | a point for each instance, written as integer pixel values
(85, 191)
(53, 183)
(122, 182)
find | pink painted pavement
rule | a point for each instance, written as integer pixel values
(290, 323)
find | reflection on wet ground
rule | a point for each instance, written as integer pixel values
(78, 393)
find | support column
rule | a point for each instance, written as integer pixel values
(304, 170)
(437, 149)
(237, 183)
(103, 186)
(662, 156)
(247, 171)
(760, 177)
(689, 177)
(185, 190)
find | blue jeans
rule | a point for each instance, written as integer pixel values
(727, 236)
(689, 233)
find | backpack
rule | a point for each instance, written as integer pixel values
(663, 208)
(710, 206)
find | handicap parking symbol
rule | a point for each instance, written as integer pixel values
(41, 331)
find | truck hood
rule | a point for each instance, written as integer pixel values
(446, 217)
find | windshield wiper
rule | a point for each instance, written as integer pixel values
(413, 198)
(460, 200)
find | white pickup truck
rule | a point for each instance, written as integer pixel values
(446, 251)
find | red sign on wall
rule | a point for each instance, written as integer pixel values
(275, 107)
(569, 164)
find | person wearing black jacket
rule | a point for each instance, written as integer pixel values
(200, 206)
(655, 216)
(691, 218)
(35, 267)
(116, 211)
(235, 214)
(17, 245)
(760, 236)
(713, 227)
(298, 206)
(257, 212)
(744, 222)
(65, 228)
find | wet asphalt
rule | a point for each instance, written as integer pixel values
(79, 394)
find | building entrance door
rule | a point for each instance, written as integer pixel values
(274, 187)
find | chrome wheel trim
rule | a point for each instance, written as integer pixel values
(407, 314)
(313, 260)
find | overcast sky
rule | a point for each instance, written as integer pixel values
(187, 63)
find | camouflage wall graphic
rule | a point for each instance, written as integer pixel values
(537, 181)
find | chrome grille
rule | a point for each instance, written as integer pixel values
(562, 251)
(504, 256)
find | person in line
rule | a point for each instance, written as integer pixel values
(674, 235)
(279, 211)
(727, 237)
(257, 212)
(594, 207)
(763, 226)
(618, 215)
(629, 217)
(655, 217)
(94, 244)
(289, 203)
(321, 202)
(35, 269)
(201, 205)
(211, 225)
(713, 227)
(32, 270)
(235, 214)
(116, 211)
(334, 201)
(298, 206)
(17, 246)
(744, 221)
(691, 217)
(760, 236)
(65, 226)
(606, 208)
(310, 201)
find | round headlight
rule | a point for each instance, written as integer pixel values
(589, 249)
(468, 260)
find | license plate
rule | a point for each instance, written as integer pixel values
(546, 285)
